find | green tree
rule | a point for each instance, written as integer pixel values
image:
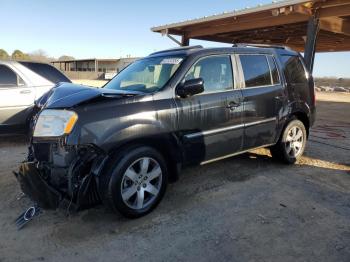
(39, 56)
(65, 57)
(19, 55)
(4, 54)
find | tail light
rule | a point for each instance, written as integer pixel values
(314, 97)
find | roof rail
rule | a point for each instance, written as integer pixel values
(260, 45)
(178, 49)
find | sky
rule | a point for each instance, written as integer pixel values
(113, 29)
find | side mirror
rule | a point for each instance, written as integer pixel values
(190, 87)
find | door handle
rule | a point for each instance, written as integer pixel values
(279, 97)
(25, 91)
(233, 105)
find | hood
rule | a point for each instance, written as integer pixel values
(67, 95)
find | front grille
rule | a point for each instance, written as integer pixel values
(42, 151)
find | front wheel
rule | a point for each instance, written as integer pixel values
(136, 182)
(292, 143)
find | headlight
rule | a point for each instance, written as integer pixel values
(54, 123)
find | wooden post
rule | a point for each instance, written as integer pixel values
(185, 41)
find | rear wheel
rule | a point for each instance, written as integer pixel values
(135, 182)
(292, 143)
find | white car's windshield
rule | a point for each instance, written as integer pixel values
(146, 75)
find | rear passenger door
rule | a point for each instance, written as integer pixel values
(263, 98)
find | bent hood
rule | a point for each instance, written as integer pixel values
(68, 95)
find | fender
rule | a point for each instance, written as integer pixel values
(293, 108)
(300, 107)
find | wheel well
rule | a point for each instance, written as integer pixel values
(304, 119)
(167, 145)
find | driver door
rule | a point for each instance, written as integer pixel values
(211, 122)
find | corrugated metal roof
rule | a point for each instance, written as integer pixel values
(95, 59)
(259, 8)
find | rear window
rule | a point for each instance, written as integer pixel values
(256, 70)
(294, 69)
(47, 71)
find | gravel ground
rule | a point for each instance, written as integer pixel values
(246, 208)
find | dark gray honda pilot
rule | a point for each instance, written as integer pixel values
(121, 144)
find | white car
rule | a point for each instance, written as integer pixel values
(21, 83)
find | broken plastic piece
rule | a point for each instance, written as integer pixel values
(27, 216)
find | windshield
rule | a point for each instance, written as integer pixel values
(146, 75)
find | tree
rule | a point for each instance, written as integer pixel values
(65, 57)
(19, 55)
(39, 56)
(4, 54)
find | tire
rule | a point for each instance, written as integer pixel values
(287, 150)
(131, 190)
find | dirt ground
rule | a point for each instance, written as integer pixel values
(246, 208)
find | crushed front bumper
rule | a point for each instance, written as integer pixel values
(36, 188)
(61, 181)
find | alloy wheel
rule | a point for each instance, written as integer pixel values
(141, 183)
(294, 141)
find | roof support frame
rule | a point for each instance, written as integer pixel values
(184, 40)
(311, 41)
(282, 23)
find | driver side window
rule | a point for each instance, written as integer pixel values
(216, 72)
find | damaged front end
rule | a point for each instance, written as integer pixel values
(59, 168)
(58, 175)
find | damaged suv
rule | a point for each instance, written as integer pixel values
(122, 144)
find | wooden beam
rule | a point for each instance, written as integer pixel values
(228, 21)
(329, 3)
(237, 25)
(341, 10)
(335, 25)
(301, 9)
(246, 19)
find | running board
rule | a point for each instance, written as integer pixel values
(234, 154)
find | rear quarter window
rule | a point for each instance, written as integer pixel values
(47, 71)
(294, 69)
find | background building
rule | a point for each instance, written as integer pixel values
(92, 68)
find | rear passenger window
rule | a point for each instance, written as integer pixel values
(256, 70)
(216, 71)
(294, 70)
(7, 77)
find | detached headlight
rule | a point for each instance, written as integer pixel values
(54, 123)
